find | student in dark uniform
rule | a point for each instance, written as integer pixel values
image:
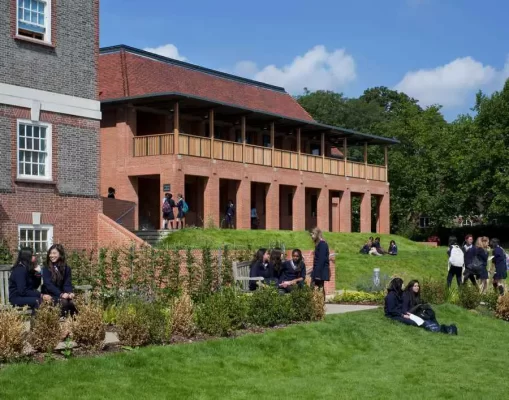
(261, 267)
(168, 206)
(293, 272)
(500, 264)
(394, 303)
(321, 264)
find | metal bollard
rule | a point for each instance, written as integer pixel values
(376, 277)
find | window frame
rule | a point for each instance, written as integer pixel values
(424, 222)
(49, 151)
(47, 23)
(47, 227)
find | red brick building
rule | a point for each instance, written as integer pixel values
(49, 123)
(173, 126)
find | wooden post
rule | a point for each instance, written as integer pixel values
(299, 145)
(345, 154)
(176, 127)
(386, 156)
(365, 160)
(243, 134)
(211, 132)
(272, 134)
(322, 150)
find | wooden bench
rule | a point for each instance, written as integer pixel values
(241, 275)
(5, 272)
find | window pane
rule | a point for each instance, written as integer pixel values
(29, 144)
(30, 235)
(44, 235)
(43, 145)
(21, 142)
(27, 169)
(41, 7)
(20, 167)
(41, 19)
(29, 131)
(28, 156)
(36, 144)
(33, 17)
(33, 5)
(42, 170)
(36, 131)
(38, 235)
(42, 158)
(43, 132)
(22, 130)
(35, 169)
(22, 234)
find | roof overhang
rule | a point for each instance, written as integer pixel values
(190, 103)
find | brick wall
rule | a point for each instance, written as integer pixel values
(115, 209)
(69, 66)
(5, 154)
(111, 234)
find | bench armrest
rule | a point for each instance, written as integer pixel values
(258, 278)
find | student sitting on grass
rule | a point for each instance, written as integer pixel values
(393, 249)
(394, 303)
(293, 272)
(24, 280)
(261, 268)
(378, 247)
(367, 247)
(57, 280)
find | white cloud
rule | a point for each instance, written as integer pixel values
(167, 50)
(317, 69)
(452, 84)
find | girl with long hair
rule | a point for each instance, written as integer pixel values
(481, 252)
(57, 280)
(412, 297)
(394, 303)
(24, 280)
(321, 264)
(293, 272)
(500, 264)
(261, 267)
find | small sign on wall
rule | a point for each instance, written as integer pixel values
(167, 187)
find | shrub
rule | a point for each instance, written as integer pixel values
(502, 310)
(490, 299)
(12, 334)
(87, 327)
(222, 313)
(318, 306)
(268, 308)
(307, 304)
(182, 323)
(159, 319)
(133, 327)
(110, 314)
(359, 297)
(46, 331)
(433, 292)
(469, 297)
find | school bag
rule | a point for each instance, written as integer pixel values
(185, 207)
(457, 258)
(166, 206)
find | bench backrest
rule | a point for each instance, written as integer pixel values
(241, 270)
(5, 272)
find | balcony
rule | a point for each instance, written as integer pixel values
(204, 147)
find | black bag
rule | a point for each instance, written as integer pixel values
(476, 266)
(424, 311)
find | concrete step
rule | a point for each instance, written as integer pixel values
(153, 237)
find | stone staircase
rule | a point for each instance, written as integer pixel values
(152, 236)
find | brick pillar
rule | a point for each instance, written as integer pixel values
(384, 214)
(322, 220)
(272, 199)
(299, 209)
(211, 200)
(335, 214)
(345, 212)
(366, 213)
(243, 205)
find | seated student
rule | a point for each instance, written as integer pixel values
(276, 259)
(413, 304)
(261, 267)
(367, 247)
(293, 272)
(393, 249)
(378, 246)
(57, 280)
(24, 280)
(394, 303)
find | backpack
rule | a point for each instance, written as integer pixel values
(166, 206)
(185, 207)
(477, 266)
(457, 258)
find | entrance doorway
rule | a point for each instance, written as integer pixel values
(227, 191)
(149, 202)
(259, 202)
(286, 194)
(194, 196)
(311, 207)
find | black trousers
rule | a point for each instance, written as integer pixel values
(66, 306)
(405, 321)
(454, 272)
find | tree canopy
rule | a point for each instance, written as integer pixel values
(441, 169)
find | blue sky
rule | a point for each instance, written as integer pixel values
(438, 51)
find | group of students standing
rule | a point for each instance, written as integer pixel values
(290, 274)
(56, 278)
(470, 262)
(168, 215)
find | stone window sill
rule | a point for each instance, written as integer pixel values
(34, 41)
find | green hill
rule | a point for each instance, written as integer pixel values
(414, 260)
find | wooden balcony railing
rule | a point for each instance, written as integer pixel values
(198, 146)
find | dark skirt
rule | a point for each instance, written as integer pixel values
(180, 214)
(169, 216)
(32, 302)
(500, 273)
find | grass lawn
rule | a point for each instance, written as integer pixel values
(414, 260)
(351, 356)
